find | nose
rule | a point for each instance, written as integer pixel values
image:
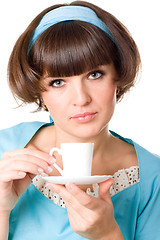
(80, 94)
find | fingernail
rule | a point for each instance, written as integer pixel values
(70, 186)
(21, 173)
(50, 169)
(40, 170)
(52, 160)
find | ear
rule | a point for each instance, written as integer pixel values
(42, 104)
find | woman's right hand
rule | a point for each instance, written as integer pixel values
(17, 168)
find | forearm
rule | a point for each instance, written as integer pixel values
(4, 225)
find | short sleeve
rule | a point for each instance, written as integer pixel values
(148, 222)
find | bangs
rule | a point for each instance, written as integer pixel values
(71, 48)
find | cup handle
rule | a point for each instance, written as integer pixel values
(55, 165)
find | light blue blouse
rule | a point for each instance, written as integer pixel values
(136, 209)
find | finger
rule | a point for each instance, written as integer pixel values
(10, 176)
(104, 189)
(61, 190)
(29, 151)
(73, 195)
(25, 166)
(82, 197)
(23, 159)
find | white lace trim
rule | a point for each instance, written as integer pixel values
(124, 178)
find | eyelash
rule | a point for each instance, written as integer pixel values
(54, 81)
(102, 73)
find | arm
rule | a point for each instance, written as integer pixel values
(4, 225)
(17, 168)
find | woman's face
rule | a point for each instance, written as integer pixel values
(82, 106)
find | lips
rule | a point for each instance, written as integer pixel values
(84, 117)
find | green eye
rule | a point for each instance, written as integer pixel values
(96, 74)
(57, 83)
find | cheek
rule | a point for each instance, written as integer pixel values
(108, 95)
(108, 105)
(51, 101)
(56, 105)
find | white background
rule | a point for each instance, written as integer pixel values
(137, 116)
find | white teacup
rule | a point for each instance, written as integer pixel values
(76, 157)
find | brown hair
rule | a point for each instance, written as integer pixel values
(71, 48)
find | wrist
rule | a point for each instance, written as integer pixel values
(4, 224)
(5, 213)
(116, 234)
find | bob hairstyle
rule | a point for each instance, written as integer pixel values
(71, 48)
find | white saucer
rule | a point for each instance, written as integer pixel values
(77, 180)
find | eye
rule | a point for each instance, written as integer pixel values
(96, 74)
(57, 83)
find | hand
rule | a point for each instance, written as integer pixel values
(90, 217)
(17, 168)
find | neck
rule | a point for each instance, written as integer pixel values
(102, 141)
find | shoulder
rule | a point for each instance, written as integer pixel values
(149, 163)
(149, 175)
(16, 136)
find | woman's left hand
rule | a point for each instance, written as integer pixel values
(90, 217)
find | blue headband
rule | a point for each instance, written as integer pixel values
(66, 13)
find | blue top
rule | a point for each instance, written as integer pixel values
(137, 208)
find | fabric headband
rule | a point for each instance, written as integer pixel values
(66, 13)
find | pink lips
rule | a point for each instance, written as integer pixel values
(84, 117)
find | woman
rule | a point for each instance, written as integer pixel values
(75, 61)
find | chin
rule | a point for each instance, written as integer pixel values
(87, 133)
